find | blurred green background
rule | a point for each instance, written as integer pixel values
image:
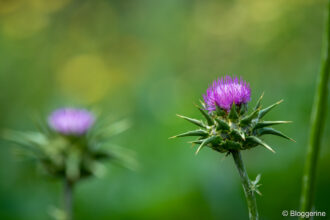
(147, 60)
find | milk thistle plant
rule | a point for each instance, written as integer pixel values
(229, 128)
(71, 147)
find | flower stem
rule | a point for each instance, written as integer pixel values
(68, 192)
(317, 125)
(249, 193)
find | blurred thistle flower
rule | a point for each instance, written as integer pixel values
(229, 129)
(226, 91)
(74, 146)
(71, 121)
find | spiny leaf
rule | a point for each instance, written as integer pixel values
(205, 142)
(198, 132)
(233, 113)
(264, 111)
(257, 191)
(255, 185)
(272, 131)
(206, 115)
(256, 181)
(121, 156)
(33, 141)
(259, 102)
(104, 131)
(194, 121)
(231, 145)
(270, 123)
(101, 154)
(202, 103)
(243, 109)
(247, 119)
(238, 133)
(220, 111)
(222, 125)
(259, 141)
(196, 142)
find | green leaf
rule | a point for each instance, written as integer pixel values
(263, 131)
(237, 133)
(95, 167)
(34, 142)
(196, 142)
(101, 155)
(220, 111)
(198, 132)
(233, 113)
(194, 121)
(256, 181)
(231, 145)
(269, 123)
(222, 125)
(206, 115)
(243, 109)
(264, 111)
(122, 156)
(255, 184)
(106, 130)
(259, 141)
(205, 142)
(25, 138)
(259, 102)
(202, 103)
(247, 119)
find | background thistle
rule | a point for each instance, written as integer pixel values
(73, 146)
(228, 128)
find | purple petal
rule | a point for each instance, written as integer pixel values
(226, 91)
(71, 121)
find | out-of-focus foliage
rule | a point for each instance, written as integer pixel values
(148, 60)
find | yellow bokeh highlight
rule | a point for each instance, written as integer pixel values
(86, 77)
(8, 6)
(23, 18)
(48, 6)
(23, 24)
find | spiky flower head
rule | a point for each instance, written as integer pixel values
(71, 146)
(71, 121)
(225, 92)
(228, 127)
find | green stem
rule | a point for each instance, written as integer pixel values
(68, 192)
(249, 193)
(317, 125)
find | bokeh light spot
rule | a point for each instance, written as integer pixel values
(48, 6)
(24, 23)
(86, 77)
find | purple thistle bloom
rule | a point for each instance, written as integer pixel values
(226, 91)
(71, 121)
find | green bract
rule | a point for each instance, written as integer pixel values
(234, 130)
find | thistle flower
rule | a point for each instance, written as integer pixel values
(229, 129)
(226, 91)
(68, 152)
(71, 121)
